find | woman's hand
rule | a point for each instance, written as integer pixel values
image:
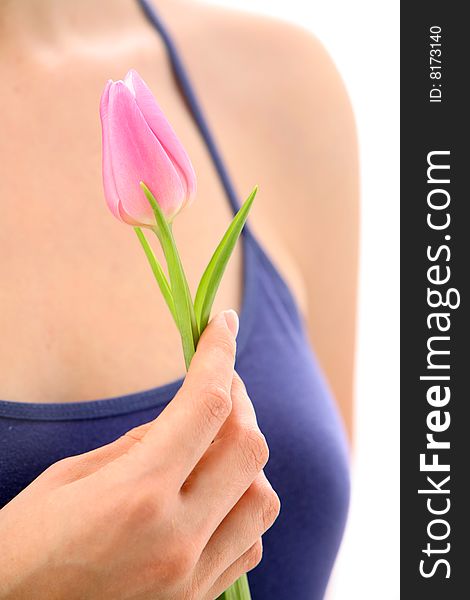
(174, 509)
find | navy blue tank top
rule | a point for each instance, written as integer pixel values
(309, 458)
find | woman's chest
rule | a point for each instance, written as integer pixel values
(80, 314)
(292, 403)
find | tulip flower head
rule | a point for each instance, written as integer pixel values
(139, 145)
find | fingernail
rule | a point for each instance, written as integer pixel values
(231, 318)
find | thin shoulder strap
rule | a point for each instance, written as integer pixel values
(187, 91)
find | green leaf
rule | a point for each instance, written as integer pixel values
(212, 276)
(239, 590)
(184, 308)
(157, 271)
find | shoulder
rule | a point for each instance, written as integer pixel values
(280, 83)
(271, 52)
(276, 82)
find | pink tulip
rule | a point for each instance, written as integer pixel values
(139, 144)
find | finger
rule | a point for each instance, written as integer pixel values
(248, 561)
(242, 410)
(89, 462)
(228, 468)
(186, 428)
(215, 356)
(242, 527)
(76, 467)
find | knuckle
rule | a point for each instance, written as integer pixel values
(61, 466)
(226, 345)
(217, 402)
(145, 507)
(181, 561)
(254, 555)
(137, 433)
(238, 387)
(270, 508)
(57, 470)
(190, 592)
(174, 568)
(255, 449)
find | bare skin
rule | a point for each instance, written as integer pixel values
(146, 517)
(80, 315)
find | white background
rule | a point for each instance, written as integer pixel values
(363, 37)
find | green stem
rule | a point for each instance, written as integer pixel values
(180, 298)
(184, 308)
(157, 271)
(240, 590)
(192, 313)
(179, 301)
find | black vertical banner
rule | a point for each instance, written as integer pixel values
(435, 301)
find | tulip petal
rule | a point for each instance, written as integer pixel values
(110, 192)
(127, 218)
(161, 127)
(136, 156)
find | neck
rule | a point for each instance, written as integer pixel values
(47, 23)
